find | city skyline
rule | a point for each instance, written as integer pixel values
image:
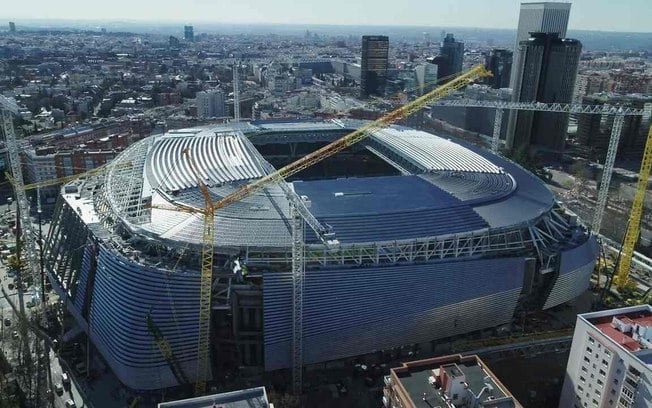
(503, 14)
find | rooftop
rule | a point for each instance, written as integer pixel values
(630, 328)
(468, 379)
(249, 398)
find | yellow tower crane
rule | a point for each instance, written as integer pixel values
(280, 175)
(634, 226)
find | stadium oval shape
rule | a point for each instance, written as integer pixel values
(430, 238)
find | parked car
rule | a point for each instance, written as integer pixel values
(65, 378)
(71, 404)
(58, 388)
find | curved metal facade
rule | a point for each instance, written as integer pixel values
(575, 271)
(349, 312)
(442, 254)
(122, 293)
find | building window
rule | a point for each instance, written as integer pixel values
(591, 340)
(587, 359)
(600, 382)
(582, 379)
(602, 372)
(67, 166)
(580, 388)
(605, 362)
(584, 369)
(607, 353)
(589, 349)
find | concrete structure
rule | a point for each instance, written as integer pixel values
(546, 70)
(12, 27)
(373, 69)
(210, 104)
(499, 62)
(589, 83)
(610, 362)
(453, 381)
(451, 57)
(593, 131)
(249, 398)
(478, 238)
(540, 17)
(188, 33)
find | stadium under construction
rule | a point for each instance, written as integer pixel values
(433, 239)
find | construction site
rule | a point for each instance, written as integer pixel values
(269, 247)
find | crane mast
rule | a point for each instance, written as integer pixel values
(236, 92)
(206, 280)
(634, 225)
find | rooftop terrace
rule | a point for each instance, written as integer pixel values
(631, 329)
(449, 380)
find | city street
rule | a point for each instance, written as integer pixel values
(71, 389)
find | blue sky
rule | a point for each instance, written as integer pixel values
(607, 15)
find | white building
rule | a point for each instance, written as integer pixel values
(610, 363)
(545, 17)
(210, 104)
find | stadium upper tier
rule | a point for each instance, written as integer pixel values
(446, 188)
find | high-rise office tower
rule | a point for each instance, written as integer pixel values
(12, 27)
(210, 104)
(546, 72)
(451, 56)
(499, 62)
(373, 69)
(188, 33)
(610, 362)
(541, 17)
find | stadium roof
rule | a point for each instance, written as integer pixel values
(453, 188)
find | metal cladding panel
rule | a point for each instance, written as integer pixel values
(578, 257)
(348, 312)
(124, 292)
(82, 284)
(575, 273)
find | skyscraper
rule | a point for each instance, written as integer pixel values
(210, 104)
(499, 62)
(541, 17)
(373, 69)
(451, 56)
(188, 33)
(12, 27)
(546, 72)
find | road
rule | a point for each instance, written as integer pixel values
(71, 390)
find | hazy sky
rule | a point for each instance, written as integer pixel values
(607, 15)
